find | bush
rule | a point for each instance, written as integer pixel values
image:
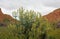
(31, 25)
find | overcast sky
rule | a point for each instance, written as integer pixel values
(43, 6)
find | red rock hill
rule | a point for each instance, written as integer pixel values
(53, 16)
(4, 18)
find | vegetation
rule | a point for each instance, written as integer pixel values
(31, 26)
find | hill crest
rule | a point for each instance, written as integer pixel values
(53, 16)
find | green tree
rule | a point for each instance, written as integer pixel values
(31, 19)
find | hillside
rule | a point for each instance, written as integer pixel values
(53, 16)
(5, 18)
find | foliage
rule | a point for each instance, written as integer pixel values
(31, 25)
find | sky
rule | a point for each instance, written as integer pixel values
(42, 6)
